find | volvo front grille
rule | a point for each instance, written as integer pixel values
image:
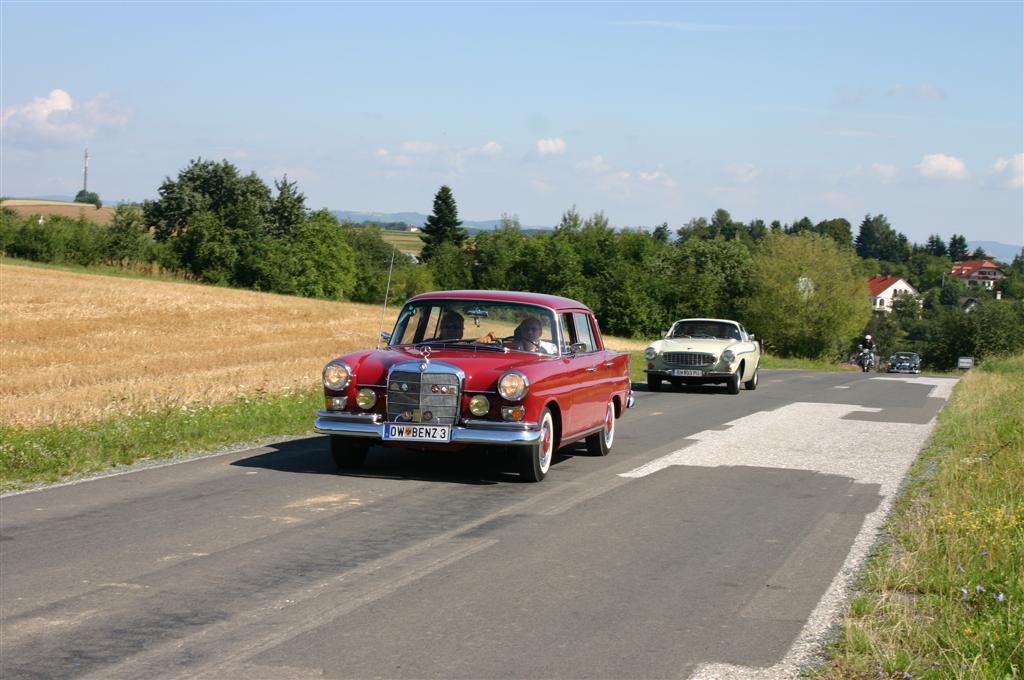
(689, 359)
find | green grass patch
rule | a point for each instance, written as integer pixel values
(944, 598)
(138, 270)
(30, 456)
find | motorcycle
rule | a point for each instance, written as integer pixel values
(866, 360)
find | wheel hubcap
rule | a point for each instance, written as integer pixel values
(545, 440)
(609, 426)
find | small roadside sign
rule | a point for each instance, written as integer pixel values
(965, 362)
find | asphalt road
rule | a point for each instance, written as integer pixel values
(718, 539)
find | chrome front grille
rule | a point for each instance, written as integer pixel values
(423, 397)
(688, 358)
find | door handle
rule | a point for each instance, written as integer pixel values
(609, 364)
(591, 368)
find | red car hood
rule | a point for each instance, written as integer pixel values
(482, 368)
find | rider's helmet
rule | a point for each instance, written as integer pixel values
(867, 337)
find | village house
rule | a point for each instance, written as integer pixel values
(884, 289)
(983, 273)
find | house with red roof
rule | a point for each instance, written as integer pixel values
(984, 273)
(884, 289)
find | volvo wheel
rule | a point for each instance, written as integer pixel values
(752, 383)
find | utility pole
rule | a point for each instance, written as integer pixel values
(85, 172)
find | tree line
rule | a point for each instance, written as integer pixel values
(801, 287)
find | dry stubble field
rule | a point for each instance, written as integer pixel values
(80, 347)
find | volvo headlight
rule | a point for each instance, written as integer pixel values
(650, 353)
(479, 405)
(337, 375)
(728, 356)
(513, 386)
(366, 398)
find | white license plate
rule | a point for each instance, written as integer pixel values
(687, 372)
(410, 432)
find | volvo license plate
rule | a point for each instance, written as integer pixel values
(411, 432)
(687, 372)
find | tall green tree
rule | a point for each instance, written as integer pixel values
(288, 209)
(443, 226)
(936, 246)
(807, 298)
(957, 248)
(877, 240)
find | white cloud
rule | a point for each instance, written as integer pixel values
(939, 165)
(58, 119)
(924, 91)
(657, 177)
(884, 172)
(743, 173)
(1010, 171)
(490, 149)
(551, 146)
(595, 165)
(417, 154)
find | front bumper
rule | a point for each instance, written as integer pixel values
(704, 377)
(902, 369)
(466, 432)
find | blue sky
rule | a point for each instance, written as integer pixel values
(650, 112)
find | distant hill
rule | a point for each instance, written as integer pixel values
(1004, 252)
(413, 219)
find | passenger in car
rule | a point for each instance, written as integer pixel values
(452, 326)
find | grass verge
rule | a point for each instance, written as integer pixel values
(30, 456)
(943, 597)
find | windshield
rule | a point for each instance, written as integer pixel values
(514, 325)
(704, 329)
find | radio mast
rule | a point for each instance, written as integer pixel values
(85, 172)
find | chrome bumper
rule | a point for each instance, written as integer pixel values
(667, 373)
(467, 432)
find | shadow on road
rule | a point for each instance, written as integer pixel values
(475, 465)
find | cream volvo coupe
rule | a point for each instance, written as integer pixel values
(702, 351)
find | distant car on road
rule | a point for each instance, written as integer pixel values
(904, 362)
(518, 371)
(701, 351)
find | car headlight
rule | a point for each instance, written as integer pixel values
(479, 405)
(650, 353)
(513, 386)
(728, 356)
(337, 375)
(366, 398)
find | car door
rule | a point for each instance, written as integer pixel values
(591, 397)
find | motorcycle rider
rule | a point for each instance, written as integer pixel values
(868, 345)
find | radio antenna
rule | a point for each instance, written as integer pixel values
(387, 290)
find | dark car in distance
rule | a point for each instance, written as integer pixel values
(904, 362)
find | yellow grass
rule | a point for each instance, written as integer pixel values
(78, 347)
(26, 206)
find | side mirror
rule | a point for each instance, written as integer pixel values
(386, 336)
(577, 347)
(751, 336)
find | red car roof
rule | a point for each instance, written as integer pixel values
(552, 301)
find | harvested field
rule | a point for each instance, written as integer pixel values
(79, 347)
(25, 207)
